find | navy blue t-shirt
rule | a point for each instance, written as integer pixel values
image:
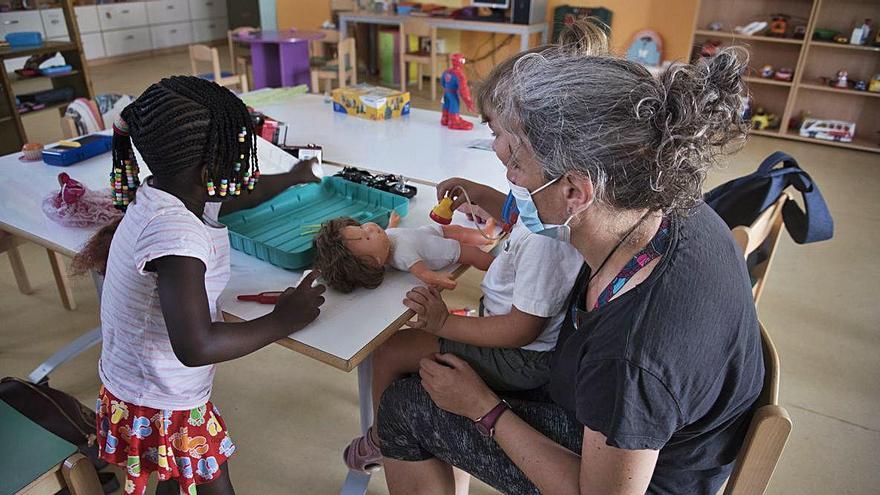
(673, 365)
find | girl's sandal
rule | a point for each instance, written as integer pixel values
(363, 455)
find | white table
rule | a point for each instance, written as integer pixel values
(524, 31)
(415, 146)
(348, 329)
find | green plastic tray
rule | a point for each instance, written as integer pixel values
(278, 231)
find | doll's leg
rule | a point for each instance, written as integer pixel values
(476, 257)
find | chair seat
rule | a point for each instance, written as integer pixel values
(36, 451)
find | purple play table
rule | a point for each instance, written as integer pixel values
(279, 58)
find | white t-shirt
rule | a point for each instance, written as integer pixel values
(426, 243)
(137, 362)
(536, 274)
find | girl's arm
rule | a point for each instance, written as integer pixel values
(197, 341)
(270, 186)
(514, 329)
(600, 469)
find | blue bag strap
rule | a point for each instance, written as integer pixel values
(813, 225)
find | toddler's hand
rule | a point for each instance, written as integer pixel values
(431, 311)
(297, 307)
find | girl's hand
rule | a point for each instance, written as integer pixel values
(298, 307)
(455, 387)
(431, 311)
(302, 171)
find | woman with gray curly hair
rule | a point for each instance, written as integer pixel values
(658, 364)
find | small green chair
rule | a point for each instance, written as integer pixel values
(34, 461)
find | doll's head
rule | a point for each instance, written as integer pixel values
(350, 255)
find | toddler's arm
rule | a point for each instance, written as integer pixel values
(197, 341)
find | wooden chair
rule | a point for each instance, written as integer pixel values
(205, 53)
(767, 434)
(40, 462)
(343, 69)
(9, 245)
(764, 231)
(423, 29)
(239, 55)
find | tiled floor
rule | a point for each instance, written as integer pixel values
(291, 416)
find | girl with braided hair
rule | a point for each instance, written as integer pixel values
(165, 264)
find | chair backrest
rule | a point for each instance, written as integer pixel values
(417, 26)
(765, 229)
(233, 45)
(205, 53)
(346, 59)
(767, 434)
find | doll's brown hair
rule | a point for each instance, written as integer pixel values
(339, 267)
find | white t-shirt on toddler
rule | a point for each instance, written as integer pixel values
(137, 362)
(536, 274)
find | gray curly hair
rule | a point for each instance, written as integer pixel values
(643, 142)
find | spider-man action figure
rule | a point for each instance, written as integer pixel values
(455, 85)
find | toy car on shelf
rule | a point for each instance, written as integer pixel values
(767, 71)
(762, 121)
(784, 74)
(829, 130)
(874, 85)
(394, 184)
(861, 85)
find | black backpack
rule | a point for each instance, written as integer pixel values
(741, 201)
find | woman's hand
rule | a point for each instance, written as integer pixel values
(431, 311)
(455, 387)
(451, 187)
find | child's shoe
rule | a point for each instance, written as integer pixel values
(363, 455)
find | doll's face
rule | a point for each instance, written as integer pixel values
(368, 240)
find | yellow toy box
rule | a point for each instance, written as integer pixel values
(371, 102)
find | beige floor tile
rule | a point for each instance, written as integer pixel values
(291, 416)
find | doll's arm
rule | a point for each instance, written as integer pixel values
(394, 221)
(475, 257)
(468, 236)
(430, 277)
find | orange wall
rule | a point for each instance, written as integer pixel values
(673, 19)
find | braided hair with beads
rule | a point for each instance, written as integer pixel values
(181, 123)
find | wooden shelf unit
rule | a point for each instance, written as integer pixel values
(12, 132)
(810, 60)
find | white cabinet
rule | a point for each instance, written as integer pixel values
(87, 19)
(127, 41)
(207, 9)
(168, 35)
(53, 23)
(93, 45)
(27, 20)
(209, 30)
(167, 11)
(122, 15)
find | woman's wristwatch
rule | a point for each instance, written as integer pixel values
(485, 424)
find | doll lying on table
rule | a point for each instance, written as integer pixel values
(351, 255)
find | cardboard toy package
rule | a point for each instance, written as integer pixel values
(371, 102)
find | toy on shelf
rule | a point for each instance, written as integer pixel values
(455, 89)
(716, 26)
(351, 255)
(823, 34)
(784, 74)
(842, 80)
(746, 107)
(799, 32)
(843, 40)
(394, 184)
(31, 152)
(874, 85)
(751, 28)
(767, 71)
(778, 26)
(646, 48)
(795, 122)
(709, 48)
(861, 35)
(861, 85)
(829, 130)
(763, 121)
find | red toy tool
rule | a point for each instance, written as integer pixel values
(262, 297)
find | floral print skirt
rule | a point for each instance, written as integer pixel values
(187, 446)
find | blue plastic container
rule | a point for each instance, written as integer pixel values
(281, 230)
(88, 146)
(24, 39)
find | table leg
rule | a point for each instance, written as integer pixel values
(73, 349)
(356, 483)
(544, 35)
(343, 28)
(523, 42)
(293, 59)
(264, 61)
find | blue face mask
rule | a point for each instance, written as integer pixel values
(528, 213)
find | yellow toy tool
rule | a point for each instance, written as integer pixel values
(442, 213)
